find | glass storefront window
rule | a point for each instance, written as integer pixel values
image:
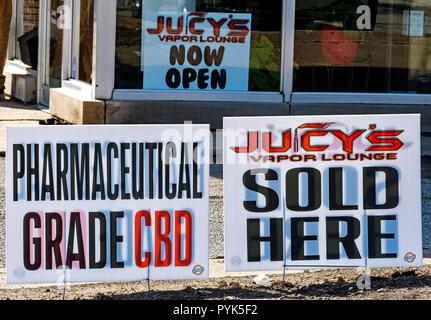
(134, 56)
(86, 40)
(55, 44)
(381, 46)
(27, 20)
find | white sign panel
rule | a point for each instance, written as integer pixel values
(322, 191)
(107, 203)
(198, 51)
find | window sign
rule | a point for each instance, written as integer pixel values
(198, 51)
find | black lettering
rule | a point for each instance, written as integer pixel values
(53, 244)
(213, 56)
(333, 238)
(254, 239)
(177, 54)
(115, 238)
(184, 167)
(151, 147)
(271, 197)
(138, 193)
(112, 147)
(160, 170)
(47, 174)
(173, 78)
(93, 216)
(369, 185)
(75, 228)
(194, 55)
(299, 238)
(18, 174)
(203, 78)
(124, 171)
(80, 171)
(189, 75)
(336, 191)
(314, 189)
(33, 171)
(62, 171)
(170, 194)
(218, 79)
(375, 237)
(98, 171)
(37, 242)
(196, 193)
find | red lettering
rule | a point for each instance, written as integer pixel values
(138, 239)
(252, 143)
(217, 25)
(347, 139)
(385, 144)
(169, 26)
(240, 30)
(163, 237)
(267, 142)
(192, 23)
(159, 29)
(305, 140)
(179, 215)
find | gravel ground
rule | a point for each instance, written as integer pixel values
(382, 284)
(216, 236)
(426, 205)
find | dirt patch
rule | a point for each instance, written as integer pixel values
(384, 284)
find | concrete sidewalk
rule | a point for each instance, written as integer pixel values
(15, 113)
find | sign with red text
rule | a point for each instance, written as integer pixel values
(332, 191)
(107, 203)
(198, 51)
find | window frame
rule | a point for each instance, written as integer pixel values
(12, 62)
(71, 53)
(103, 61)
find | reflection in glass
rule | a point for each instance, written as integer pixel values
(27, 20)
(363, 46)
(56, 42)
(86, 40)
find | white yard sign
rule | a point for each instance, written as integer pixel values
(322, 191)
(107, 203)
(198, 51)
